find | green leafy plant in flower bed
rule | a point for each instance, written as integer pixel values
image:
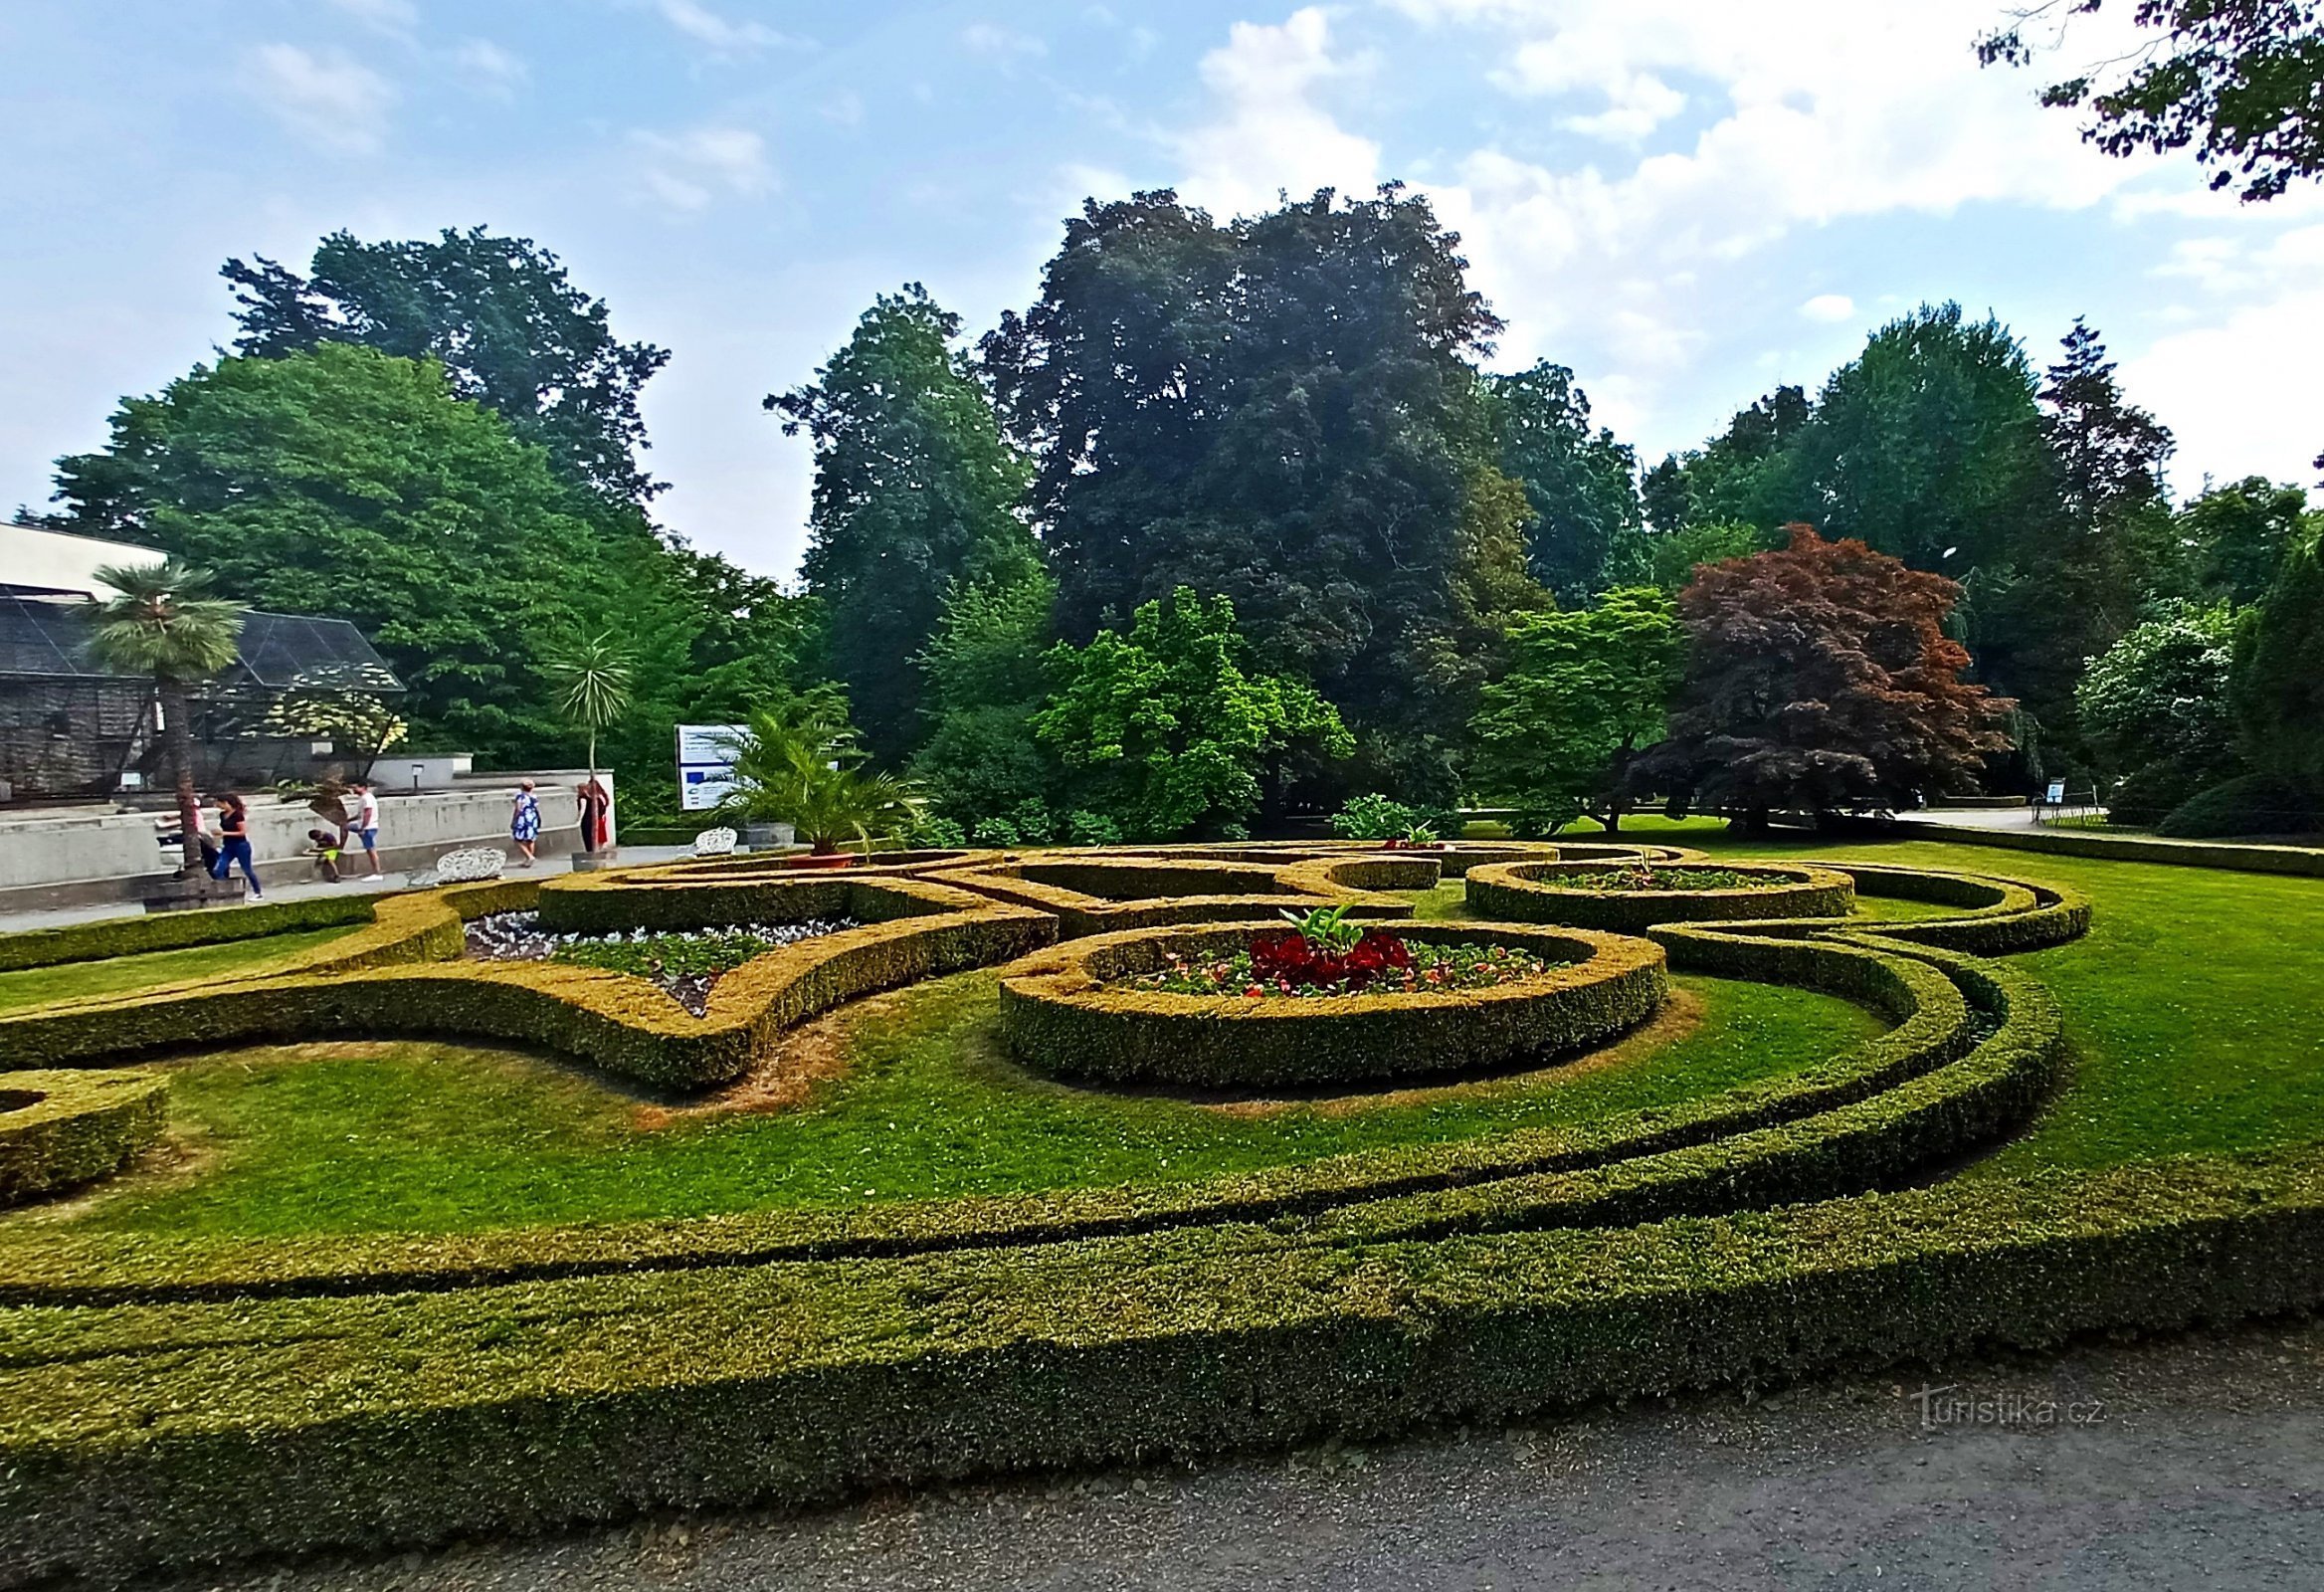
(662, 956)
(1645, 877)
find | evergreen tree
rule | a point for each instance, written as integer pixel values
(1581, 486)
(2279, 671)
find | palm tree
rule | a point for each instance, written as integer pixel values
(164, 622)
(595, 680)
(800, 766)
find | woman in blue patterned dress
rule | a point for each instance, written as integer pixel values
(524, 821)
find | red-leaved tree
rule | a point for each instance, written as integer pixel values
(1819, 678)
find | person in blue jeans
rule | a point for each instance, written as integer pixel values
(234, 843)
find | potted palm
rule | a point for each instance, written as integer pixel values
(166, 622)
(802, 765)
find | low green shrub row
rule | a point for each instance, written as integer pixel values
(171, 931)
(159, 1435)
(1530, 892)
(2003, 916)
(2306, 860)
(1058, 1017)
(605, 904)
(63, 1128)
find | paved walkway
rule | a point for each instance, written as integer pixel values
(396, 878)
(2195, 1461)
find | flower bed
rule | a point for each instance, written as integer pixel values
(1075, 1011)
(685, 966)
(1257, 973)
(1630, 899)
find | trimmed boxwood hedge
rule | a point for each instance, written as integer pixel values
(171, 931)
(611, 1019)
(139, 1436)
(1057, 1018)
(60, 1128)
(1529, 892)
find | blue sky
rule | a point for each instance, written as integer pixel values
(1687, 201)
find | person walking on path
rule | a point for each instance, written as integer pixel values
(596, 804)
(234, 843)
(524, 821)
(367, 824)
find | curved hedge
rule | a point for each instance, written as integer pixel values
(1057, 1018)
(58, 1130)
(619, 1024)
(1529, 892)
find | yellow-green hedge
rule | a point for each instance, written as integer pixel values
(159, 1435)
(621, 1024)
(60, 1129)
(170, 931)
(1056, 1016)
(1529, 892)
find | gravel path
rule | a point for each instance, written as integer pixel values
(2191, 1462)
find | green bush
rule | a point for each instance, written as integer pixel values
(169, 931)
(1375, 817)
(58, 1130)
(2256, 804)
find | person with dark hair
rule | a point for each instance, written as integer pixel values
(234, 843)
(524, 821)
(596, 806)
(324, 846)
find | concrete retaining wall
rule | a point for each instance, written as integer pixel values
(85, 856)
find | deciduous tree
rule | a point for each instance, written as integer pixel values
(1819, 678)
(1168, 727)
(915, 489)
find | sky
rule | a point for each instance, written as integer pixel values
(1686, 201)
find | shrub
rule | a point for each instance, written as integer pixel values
(1375, 817)
(1532, 892)
(58, 1130)
(2256, 804)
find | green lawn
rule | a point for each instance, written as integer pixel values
(447, 1137)
(35, 986)
(2196, 1002)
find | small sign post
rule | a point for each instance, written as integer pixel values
(705, 765)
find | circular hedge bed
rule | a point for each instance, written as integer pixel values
(1065, 1011)
(1603, 896)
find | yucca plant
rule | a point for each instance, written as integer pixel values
(592, 686)
(801, 765)
(166, 622)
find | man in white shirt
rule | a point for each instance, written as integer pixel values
(367, 825)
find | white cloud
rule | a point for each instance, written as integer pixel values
(1829, 306)
(689, 170)
(844, 108)
(490, 68)
(324, 97)
(1270, 135)
(397, 17)
(1004, 45)
(2239, 395)
(718, 34)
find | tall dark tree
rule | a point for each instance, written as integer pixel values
(1819, 678)
(1280, 411)
(1580, 484)
(915, 489)
(2278, 680)
(1753, 472)
(2110, 453)
(1663, 495)
(499, 314)
(2243, 80)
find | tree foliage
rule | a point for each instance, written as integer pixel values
(2278, 684)
(2156, 707)
(1168, 729)
(1580, 484)
(1820, 677)
(986, 681)
(1279, 410)
(352, 484)
(2238, 535)
(166, 621)
(1586, 690)
(502, 318)
(914, 490)
(2236, 78)
(801, 764)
